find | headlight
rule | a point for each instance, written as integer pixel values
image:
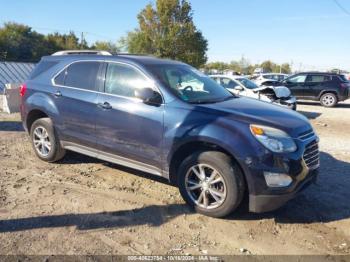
(273, 139)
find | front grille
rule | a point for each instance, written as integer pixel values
(306, 135)
(312, 155)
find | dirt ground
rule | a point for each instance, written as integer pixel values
(85, 206)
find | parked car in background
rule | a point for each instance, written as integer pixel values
(239, 85)
(166, 118)
(328, 88)
(269, 79)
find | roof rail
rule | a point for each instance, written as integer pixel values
(82, 52)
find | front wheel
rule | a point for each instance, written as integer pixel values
(329, 100)
(211, 182)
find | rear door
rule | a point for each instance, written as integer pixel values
(76, 100)
(314, 85)
(296, 84)
(126, 127)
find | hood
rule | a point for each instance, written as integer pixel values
(280, 91)
(253, 111)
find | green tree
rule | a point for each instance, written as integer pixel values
(20, 43)
(68, 41)
(285, 68)
(106, 46)
(268, 66)
(167, 30)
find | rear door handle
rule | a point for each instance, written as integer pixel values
(105, 105)
(57, 94)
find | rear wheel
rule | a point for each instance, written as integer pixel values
(45, 142)
(329, 100)
(211, 182)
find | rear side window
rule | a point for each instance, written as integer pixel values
(81, 75)
(123, 80)
(318, 78)
(41, 68)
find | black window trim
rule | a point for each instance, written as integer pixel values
(104, 65)
(65, 69)
(154, 87)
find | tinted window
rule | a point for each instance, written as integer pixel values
(82, 75)
(318, 78)
(297, 79)
(343, 78)
(41, 68)
(59, 80)
(123, 80)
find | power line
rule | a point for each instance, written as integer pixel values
(77, 32)
(341, 7)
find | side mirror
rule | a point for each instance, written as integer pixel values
(148, 96)
(239, 88)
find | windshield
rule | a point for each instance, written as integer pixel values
(247, 83)
(189, 84)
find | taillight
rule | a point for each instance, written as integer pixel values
(22, 89)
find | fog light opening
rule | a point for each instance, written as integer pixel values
(277, 179)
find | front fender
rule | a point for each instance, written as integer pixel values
(229, 135)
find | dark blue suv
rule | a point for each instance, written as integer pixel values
(168, 119)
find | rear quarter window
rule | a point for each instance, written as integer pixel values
(343, 78)
(42, 67)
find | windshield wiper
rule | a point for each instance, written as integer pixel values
(208, 101)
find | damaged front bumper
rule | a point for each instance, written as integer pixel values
(290, 102)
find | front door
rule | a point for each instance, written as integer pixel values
(125, 126)
(296, 84)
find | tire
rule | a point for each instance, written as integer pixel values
(329, 100)
(231, 185)
(42, 132)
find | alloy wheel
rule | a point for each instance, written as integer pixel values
(41, 141)
(328, 100)
(205, 186)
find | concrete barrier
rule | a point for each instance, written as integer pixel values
(11, 99)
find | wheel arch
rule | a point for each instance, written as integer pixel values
(184, 150)
(34, 115)
(335, 92)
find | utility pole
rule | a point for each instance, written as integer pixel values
(82, 40)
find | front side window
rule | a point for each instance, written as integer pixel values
(297, 79)
(123, 80)
(81, 75)
(189, 84)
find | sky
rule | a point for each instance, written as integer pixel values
(312, 35)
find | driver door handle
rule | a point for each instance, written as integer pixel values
(105, 105)
(57, 94)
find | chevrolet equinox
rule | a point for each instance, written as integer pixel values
(166, 118)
